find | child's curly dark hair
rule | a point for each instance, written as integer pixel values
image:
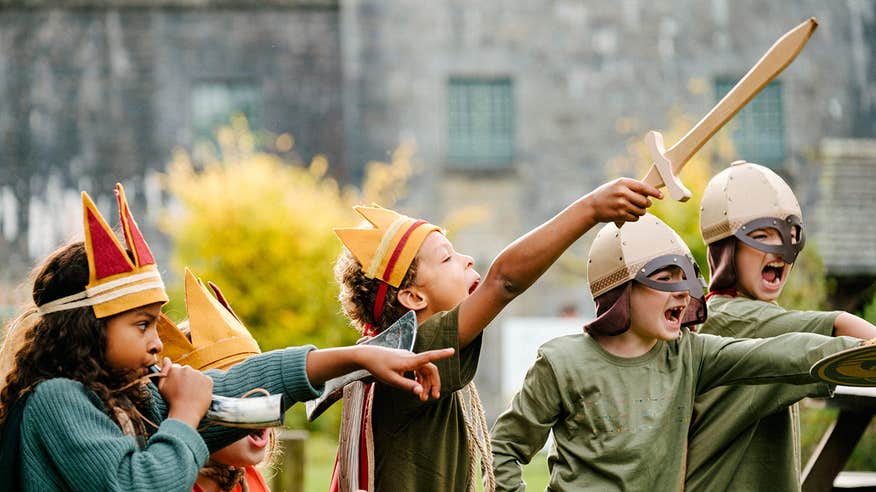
(358, 293)
(70, 344)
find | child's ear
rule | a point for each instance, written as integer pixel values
(412, 298)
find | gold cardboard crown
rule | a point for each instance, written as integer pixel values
(218, 337)
(386, 248)
(117, 282)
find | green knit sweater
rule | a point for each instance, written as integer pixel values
(69, 443)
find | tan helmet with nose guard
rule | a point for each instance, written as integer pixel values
(637, 250)
(746, 197)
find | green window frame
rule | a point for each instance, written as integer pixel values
(480, 123)
(214, 102)
(758, 130)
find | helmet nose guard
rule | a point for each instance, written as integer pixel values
(693, 282)
(789, 249)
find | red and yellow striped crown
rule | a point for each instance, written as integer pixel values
(117, 281)
(387, 245)
(218, 337)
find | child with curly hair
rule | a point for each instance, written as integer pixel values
(394, 264)
(75, 408)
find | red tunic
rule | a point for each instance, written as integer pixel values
(254, 481)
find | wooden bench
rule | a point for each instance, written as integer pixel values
(822, 472)
(855, 481)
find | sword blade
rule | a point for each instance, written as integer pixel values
(400, 335)
(771, 64)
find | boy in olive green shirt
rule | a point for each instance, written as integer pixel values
(619, 397)
(393, 264)
(745, 437)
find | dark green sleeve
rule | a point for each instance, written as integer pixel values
(91, 453)
(522, 430)
(749, 318)
(786, 358)
(278, 371)
(456, 371)
(442, 331)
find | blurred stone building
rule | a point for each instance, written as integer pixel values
(517, 106)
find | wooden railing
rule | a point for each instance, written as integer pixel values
(289, 474)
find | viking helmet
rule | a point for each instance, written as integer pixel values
(746, 197)
(637, 250)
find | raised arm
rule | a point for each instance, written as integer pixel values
(521, 263)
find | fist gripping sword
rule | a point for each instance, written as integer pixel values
(667, 163)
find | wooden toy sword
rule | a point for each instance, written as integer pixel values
(667, 163)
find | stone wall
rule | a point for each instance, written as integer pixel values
(847, 232)
(588, 79)
(98, 92)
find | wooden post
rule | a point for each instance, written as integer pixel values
(290, 470)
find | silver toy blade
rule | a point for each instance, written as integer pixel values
(401, 335)
(248, 413)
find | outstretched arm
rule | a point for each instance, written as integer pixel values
(849, 325)
(521, 263)
(387, 365)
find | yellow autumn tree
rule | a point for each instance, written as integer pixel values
(259, 225)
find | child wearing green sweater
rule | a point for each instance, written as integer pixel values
(75, 408)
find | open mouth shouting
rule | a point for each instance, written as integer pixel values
(474, 286)
(673, 316)
(773, 274)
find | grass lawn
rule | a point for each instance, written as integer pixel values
(815, 418)
(320, 457)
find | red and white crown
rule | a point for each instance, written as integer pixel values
(117, 282)
(385, 247)
(387, 244)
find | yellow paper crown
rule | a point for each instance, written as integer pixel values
(117, 282)
(386, 248)
(218, 337)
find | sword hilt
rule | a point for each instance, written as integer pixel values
(677, 190)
